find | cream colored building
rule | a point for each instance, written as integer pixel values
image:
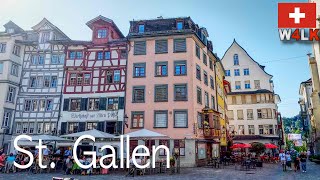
(252, 103)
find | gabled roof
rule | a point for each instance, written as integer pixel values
(11, 24)
(44, 22)
(235, 42)
(100, 17)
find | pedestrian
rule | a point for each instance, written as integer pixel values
(303, 160)
(283, 160)
(296, 161)
(288, 160)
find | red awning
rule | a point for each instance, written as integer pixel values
(271, 146)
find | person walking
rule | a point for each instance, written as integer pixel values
(303, 160)
(283, 160)
(288, 160)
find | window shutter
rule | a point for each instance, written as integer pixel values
(140, 47)
(102, 104)
(84, 104)
(161, 119)
(63, 127)
(161, 46)
(101, 126)
(66, 105)
(121, 103)
(82, 126)
(180, 119)
(180, 45)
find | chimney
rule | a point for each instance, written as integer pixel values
(314, 74)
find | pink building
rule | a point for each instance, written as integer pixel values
(171, 87)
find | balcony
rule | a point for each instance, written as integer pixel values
(211, 133)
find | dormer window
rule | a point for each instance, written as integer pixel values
(45, 37)
(141, 28)
(102, 33)
(11, 30)
(179, 25)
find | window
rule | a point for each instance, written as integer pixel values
(107, 55)
(240, 114)
(116, 74)
(235, 59)
(75, 104)
(261, 129)
(213, 103)
(180, 118)
(34, 106)
(78, 55)
(230, 114)
(180, 92)
(113, 103)
(109, 77)
(227, 72)
(45, 37)
(6, 118)
(18, 127)
(11, 94)
(87, 79)
(14, 70)
(179, 25)
(46, 81)
(92, 125)
(161, 69)
(199, 96)
(161, 46)
(246, 72)
(54, 81)
(79, 79)
(123, 54)
(73, 127)
(139, 69)
(238, 85)
(1, 67)
(141, 28)
(211, 64)
(180, 68)
(31, 127)
(241, 130)
(138, 94)
(41, 58)
(3, 47)
(42, 104)
(166, 143)
(49, 104)
(137, 119)
(25, 128)
(205, 59)
(102, 33)
(236, 72)
(54, 59)
(139, 48)
(72, 54)
(211, 82)
(197, 51)
(206, 99)
(93, 104)
(247, 85)
(16, 50)
(259, 112)
(205, 77)
(47, 128)
(198, 71)
(251, 129)
(257, 84)
(161, 93)
(100, 55)
(179, 45)
(160, 119)
(249, 114)
(270, 129)
(72, 80)
(199, 120)
(180, 144)
(27, 105)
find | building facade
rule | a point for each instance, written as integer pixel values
(252, 103)
(39, 98)
(10, 71)
(171, 87)
(94, 83)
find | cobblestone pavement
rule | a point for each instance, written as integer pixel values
(268, 172)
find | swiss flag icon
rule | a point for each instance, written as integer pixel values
(297, 15)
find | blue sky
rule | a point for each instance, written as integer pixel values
(252, 23)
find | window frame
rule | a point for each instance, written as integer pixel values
(144, 94)
(236, 72)
(180, 111)
(156, 47)
(160, 112)
(138, 122)
(236, 60)
(246, 72)
(155, 92)
(139, 65)
(199, 99)
(174, 45)
(175, 92)
(161, 63)
(102, 33)
(179, 63)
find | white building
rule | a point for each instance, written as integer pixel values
(39, 97)
(252, 103)
(10, 71)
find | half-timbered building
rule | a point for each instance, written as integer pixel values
(94, 84)
(39, 97)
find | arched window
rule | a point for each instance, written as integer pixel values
(235, 59)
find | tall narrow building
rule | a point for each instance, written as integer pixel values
(252, 102)
(94, 83)
(171, 88)
(10, 71)
(39, 97)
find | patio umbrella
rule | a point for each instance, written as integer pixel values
(145, 134)
(46, 137)
(271, 146)
(237, 146)
(247, 146)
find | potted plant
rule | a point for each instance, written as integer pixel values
(258, 148)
